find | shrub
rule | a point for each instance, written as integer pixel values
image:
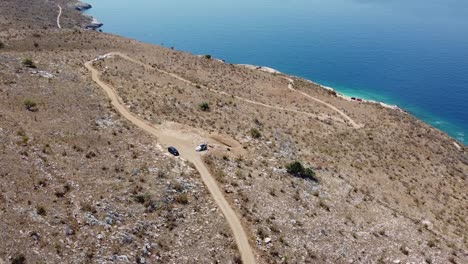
(297, 169)
(30, 105)
(142, 198)
(21, 132)
(255, 133)
(207, 56)
(19, 259)
(87, 207)
(204, 106)
(262, 233)
(24, 137)
(182, 198)
(28, 62)
(41, 211)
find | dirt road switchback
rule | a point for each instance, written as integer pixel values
(186, 148)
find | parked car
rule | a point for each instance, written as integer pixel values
(173, 151)
(202, 147)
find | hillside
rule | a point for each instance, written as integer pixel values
(81, 182)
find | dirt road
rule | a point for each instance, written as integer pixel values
(187, 150)
(322, 118)
(58, 16)
(350, 120)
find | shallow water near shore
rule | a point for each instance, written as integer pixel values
(412, 54)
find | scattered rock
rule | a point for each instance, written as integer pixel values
(35, 236)
(127, 239)
(69, 231)
(426, 223)
(228, 189)
(94, 25)
(44, 74)
(123, 258)
(92, 220)
(80, 6)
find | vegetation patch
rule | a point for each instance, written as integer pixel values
(40, 210)
(142, 198)
(30, 105)
(255, 133)
(24, 137)
(28, 62)
(297, 169)
(182, 198)
(204, 106)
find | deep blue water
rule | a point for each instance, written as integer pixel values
(412, 53)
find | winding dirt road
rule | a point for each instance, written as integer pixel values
(343, 114)
(185, 144)
(58, 16)
(351, 121)
(186, 148)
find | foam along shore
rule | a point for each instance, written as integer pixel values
(95, 24)
(261, 68)
(348, 98)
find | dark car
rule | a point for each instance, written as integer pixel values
(173, 151)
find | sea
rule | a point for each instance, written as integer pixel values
(411, 53)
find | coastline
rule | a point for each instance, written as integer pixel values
(351, 98)
(83, 7)
(90, 120)
(338, 94)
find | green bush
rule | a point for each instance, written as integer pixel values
(28, 62)
(255, 133)
(207, 56)
(204, 106)
(30, 105)
(297, 169)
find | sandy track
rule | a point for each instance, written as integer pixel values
(186, 148)
(343, 114)
(58, 16)
(322, 118)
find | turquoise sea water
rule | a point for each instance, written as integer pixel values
(411, 53)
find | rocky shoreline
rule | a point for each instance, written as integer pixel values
(95, 24)
(348, 98)
(82, 6)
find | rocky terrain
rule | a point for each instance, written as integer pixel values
(79, 183)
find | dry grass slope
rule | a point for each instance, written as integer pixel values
(80, 184)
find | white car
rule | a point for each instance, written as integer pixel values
(201, 147)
